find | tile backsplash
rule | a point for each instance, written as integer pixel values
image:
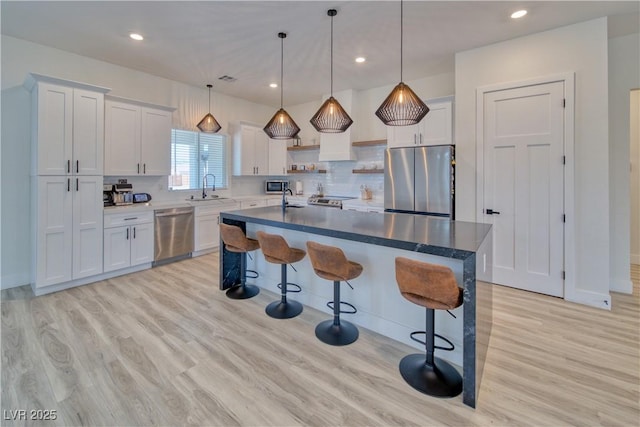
(338, 181)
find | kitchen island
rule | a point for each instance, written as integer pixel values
(374, 240)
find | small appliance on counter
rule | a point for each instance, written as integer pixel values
(328, 201)
(299, 188)
(122, 194)
(107, 195)
(141, 197)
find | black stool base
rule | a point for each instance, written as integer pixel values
(243, 291)
(440, 380)
(343, 334)
(284, 310)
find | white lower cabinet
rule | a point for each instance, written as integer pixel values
(207, 226)
(128, 240)
(68, 228)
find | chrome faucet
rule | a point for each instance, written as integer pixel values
(284, 199)
(204, 184)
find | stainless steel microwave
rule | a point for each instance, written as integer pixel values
(275, 187)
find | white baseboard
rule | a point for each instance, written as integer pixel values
(635, 259)
(624, 286)
(14, 281)
(593, 299)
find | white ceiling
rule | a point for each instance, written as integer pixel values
(197, 42)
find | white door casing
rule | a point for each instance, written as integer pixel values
(523, 135)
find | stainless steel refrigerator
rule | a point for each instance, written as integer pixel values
(420, 180)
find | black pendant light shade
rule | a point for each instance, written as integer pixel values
(402, 107)
(281, 125)
(209, 124)
(331, 117)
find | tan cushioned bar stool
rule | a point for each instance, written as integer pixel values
(235, 240)
(330, 263)
(435, 288)
(277, 251)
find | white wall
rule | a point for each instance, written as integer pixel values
(634, 107)
(580, 49)
(20, 57)
(624, 75)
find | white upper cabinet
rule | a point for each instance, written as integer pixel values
(278, 156)
(250, 150)
(137, 138)
(67, 126)
(435, 129)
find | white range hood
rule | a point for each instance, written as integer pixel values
(337, 146)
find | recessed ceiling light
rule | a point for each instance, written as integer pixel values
(360, 59)
(273, 85)
(136, 36)
(518, 14)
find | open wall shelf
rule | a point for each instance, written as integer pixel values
(308, 171)
(303, 147)
(369, 143)
(368, 171)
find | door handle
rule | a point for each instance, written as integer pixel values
(492, 212)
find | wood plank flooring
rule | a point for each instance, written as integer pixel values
(166, 347)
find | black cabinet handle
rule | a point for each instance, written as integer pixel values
(68, 166)
(144, 168)
(68, 184)
(127, 234)
(138, 167)
(77, 166)
(134, 232)
(492, 212)
(77, 185)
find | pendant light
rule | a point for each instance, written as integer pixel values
(402, 107)
(281, 125)
(209, 124)
(331, 117)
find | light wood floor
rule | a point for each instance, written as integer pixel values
(166, 347)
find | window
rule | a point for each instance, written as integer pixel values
(193, 155)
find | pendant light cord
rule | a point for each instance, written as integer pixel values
(401, 37)
(332, 55)
(209, 97)
(281, 68)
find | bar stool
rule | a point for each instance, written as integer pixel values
(277, 251)
(435, 288)
(329, 262)
(236, 241)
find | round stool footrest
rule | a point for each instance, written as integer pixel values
(251, 274)
(353, 309)
(293, 291)
(450, 348)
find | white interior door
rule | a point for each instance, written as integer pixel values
(524, 185)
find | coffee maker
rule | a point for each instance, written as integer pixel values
(107, 195)
(122, 194)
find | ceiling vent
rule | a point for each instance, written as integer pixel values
(227, 79)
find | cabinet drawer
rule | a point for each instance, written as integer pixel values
(127, 218)
(247, 204)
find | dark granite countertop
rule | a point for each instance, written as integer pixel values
(418, 233)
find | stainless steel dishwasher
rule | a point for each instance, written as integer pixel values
(173, 234)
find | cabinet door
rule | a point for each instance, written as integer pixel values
(54, 230)
(141, 237)
(261, 152)
(53, 129)
(121, 139)
(207, 231)
(87, 226)
(277, 157)
(437, 125)
(88, 132)
(244, 150)
(117, 249)
(156, 142)
(403, 136)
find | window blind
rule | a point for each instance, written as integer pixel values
(193, 155)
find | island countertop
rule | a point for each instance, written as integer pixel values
(418, 233)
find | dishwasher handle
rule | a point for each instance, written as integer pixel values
(174, 213)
